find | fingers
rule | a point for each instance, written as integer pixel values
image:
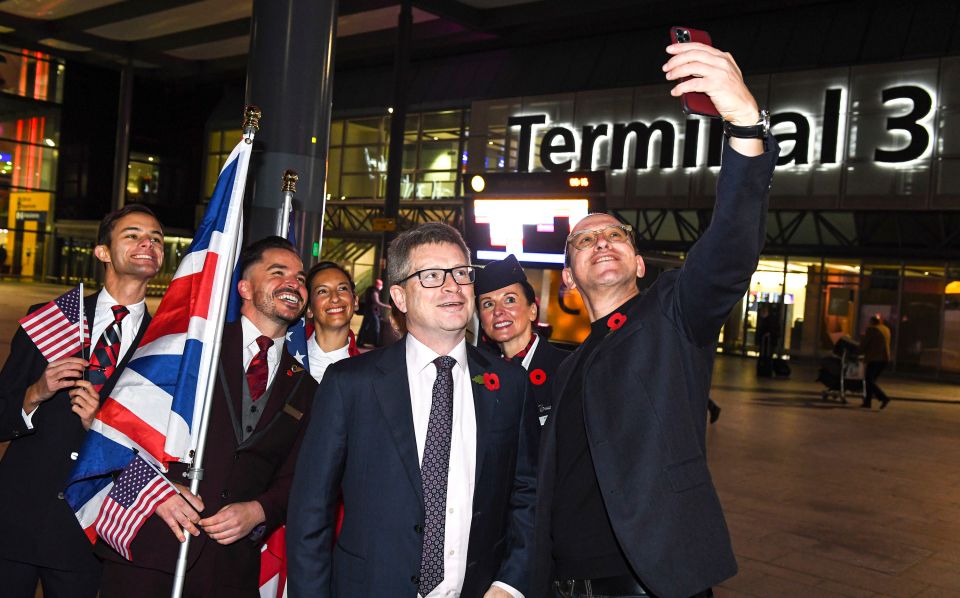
(193, 499)
(178, 516)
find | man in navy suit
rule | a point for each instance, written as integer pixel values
(431, 445)
(46, 409)
(626, 506)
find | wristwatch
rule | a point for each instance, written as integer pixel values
(761, 130)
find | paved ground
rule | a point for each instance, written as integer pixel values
(822, 499)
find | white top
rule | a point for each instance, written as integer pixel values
(103, 317)
(320, 360)
(250, 349)
(421, 374)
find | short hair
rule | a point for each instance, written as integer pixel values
(109, 222)
(328, 265)
(429, 233)
(874, 319)
(253, 252)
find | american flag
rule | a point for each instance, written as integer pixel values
(54, 327)
(157, 403)
(135, 496)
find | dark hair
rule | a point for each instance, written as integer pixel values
(874, 319)
(105, 231)
(327, 265)
(429, 233)
(253, 252)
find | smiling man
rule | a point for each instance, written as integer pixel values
(46, 409)
(432, 444)
(260, 406)
(626, 506)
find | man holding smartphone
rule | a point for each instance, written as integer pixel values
(626, 506)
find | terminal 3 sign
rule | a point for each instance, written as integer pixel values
(563, 148)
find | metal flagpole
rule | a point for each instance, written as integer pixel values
(251, 124)
(80, 323)
(288, 188)
(323, 216)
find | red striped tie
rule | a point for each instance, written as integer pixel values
(257, 370)
(103, 360)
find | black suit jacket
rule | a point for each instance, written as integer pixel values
(259, 468)
(38, 525)
(645, 394)
(546, 358)
(362, 441)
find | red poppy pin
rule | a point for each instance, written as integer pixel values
(616, 321)
(538, 377)
(488, 379)
(294, 369)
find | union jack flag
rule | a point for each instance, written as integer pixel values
(158, 398)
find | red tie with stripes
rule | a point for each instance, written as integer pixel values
(103, 360)
(257, 370)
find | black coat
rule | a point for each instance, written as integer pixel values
(547, 358)
(38, 525)
(260, 468)
(645, 392)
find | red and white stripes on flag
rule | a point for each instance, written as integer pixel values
(135, 496)
(54, 327)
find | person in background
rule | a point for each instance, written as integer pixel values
(372, 309)
(875, 346)
(331, 303)
(508, 311)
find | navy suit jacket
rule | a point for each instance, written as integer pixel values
(361, 442)
(38, 525)
(645, 392)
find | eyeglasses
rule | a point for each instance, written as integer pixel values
(615, 233)
(432, 278)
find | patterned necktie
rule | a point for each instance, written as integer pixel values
(103, 360)
(257, 370)
(433, 473)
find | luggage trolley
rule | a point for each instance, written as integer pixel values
(843, 372)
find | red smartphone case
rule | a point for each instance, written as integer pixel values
(696, 102)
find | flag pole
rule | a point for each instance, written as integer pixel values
(80, 323)
(251, 124)
(323, 216)
(288, 188)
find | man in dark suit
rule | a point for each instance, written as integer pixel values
(260, 406)
(46, 409)
(626, 506)
(432, 445)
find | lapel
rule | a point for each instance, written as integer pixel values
(392, 389)
(231, 360)
(484, 402)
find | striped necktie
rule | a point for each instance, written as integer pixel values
(103, 360)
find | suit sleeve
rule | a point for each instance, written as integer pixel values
(274, 500)
(314, 497)
(515, 570)
(23, 367)
(718, 268)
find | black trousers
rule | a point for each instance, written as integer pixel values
(19, 580)
(619, 587)
(870, 375)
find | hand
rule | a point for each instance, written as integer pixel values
(234, 521)
(84, 401)
(178, 515)
(716, 74)
(497, 592)
(60, 374)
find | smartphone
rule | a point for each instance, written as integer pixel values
(696, 102)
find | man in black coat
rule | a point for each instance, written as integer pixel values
(252, 443)
(46, 409)
(626, 506)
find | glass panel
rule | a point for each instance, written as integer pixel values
(439, 155)
(143, 178)
(214, 164)
(801, 304)
(839, 285)
(333, 171)
(31, 74)
(336, 132)
(368, 158)
(918, 339)
(951, 321)
(364, 131)
(362, 186)
(409, 156)
(436, 185)
(214, 141)
(27, 166)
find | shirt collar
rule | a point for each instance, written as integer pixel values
(421, 355)
(251, 333)
(336, 354)
(105, 301)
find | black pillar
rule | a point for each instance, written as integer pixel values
(121, 156)
(290, 77)
(398, 120)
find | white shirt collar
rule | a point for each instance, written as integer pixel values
(251, 333)
(105, 301)
(421, 355)
(335, 355)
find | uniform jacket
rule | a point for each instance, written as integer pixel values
(546, 358)
(645, 399)
(38, 525)
(361, 441)
(260, 468)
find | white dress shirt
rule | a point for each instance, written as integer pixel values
(250, 348)
(461, 478)
(103, 317)
(320, 360)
